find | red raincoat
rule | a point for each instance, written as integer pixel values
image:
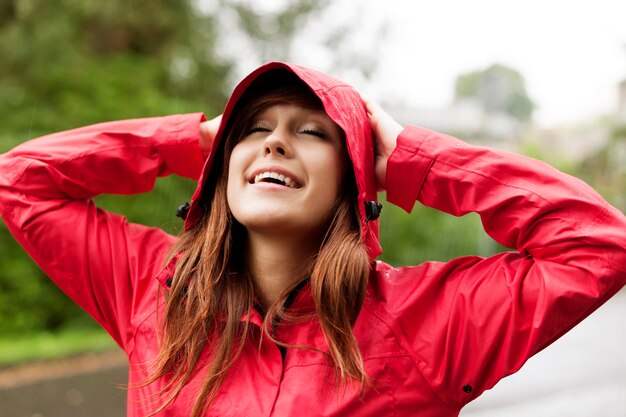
(433, 336)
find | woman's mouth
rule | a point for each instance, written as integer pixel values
(275, 178)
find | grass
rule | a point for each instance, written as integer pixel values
(18, 349)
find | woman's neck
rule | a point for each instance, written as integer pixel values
(276, 262)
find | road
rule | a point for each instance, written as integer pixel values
(581, 375)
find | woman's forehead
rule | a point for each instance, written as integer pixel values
(291, 108)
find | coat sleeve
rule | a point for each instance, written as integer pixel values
(472, 321)
(97, 258)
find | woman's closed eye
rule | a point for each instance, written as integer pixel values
(256, 129)
(314, 132)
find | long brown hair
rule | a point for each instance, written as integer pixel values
(211, 290)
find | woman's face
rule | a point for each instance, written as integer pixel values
(285, 174)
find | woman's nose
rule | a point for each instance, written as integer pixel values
(273, 148)
(276, 144)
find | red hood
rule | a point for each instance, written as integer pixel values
(343, 104)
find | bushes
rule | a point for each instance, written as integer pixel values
(427, 234)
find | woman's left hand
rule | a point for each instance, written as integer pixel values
(208, 130)
(385, 131)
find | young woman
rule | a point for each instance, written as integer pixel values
(271, 301)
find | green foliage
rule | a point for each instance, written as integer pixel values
(619, 132)
(272, 31)
(85, 62)
(16, 349)
(72, 63)
(606, 169)
(498, 88)
(427, 234)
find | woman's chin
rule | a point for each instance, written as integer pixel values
(280, 225)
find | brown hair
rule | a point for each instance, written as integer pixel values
(211, 290)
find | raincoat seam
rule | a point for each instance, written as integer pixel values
(18, 178)
(478, 384)
(81, 155)
(415, 358)
(136, 328)
(428, 136)
(593, 307)
(180, 129)
(420, 144)
(492, 179)
(369, 358)
(329, 89)
(596, 222)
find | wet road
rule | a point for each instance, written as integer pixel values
(81, 395)
(581, 375)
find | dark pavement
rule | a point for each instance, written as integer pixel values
(81, 395)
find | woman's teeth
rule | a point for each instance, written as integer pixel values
(276, 178)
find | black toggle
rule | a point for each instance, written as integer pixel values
(372, 210)
(182, 211)
(168, 282)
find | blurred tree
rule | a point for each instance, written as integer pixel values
(76, 62)
(272, 29)
(72, 63)
(431, 235)
(499, 89)
(302, 31)
(606, 168)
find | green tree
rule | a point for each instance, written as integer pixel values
(75, 62)
(498, 88)
(72, 63)
(430, 235)
(606, 168)
(272, 30)
(296, 29)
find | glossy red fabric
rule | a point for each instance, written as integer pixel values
(433, 336)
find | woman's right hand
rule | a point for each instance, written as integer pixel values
(385, 131)
(208, 130)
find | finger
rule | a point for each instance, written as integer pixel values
(210, 127)
(214, 124)
(369, 102)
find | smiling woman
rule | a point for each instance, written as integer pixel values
(275, 234)
(271, 301)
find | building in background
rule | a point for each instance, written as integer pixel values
(466, 118)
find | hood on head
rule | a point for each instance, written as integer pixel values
(345, 107)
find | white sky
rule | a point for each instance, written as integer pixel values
(571, 53)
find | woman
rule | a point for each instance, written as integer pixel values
(271, 302)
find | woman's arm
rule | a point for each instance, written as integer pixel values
(473, 321)
(102, 262)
